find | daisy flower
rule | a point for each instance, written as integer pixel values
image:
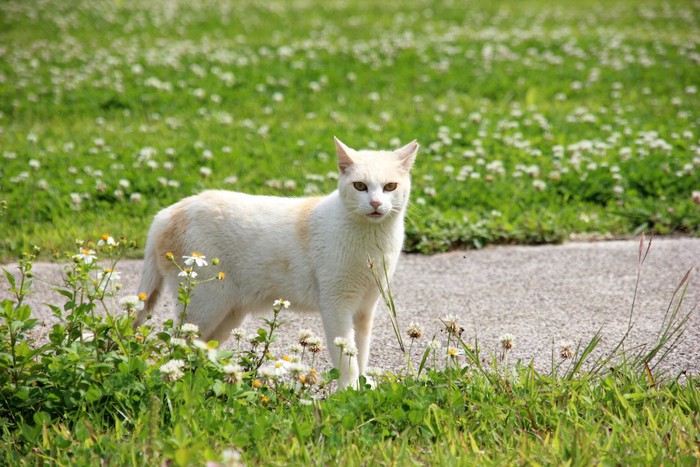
(106, 239)
(195, 258)
(281, 303)
(188, 272)
(86, 256)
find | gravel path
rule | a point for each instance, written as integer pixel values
(541, 295)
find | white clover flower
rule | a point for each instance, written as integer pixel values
(314, 344)
(234, 373)
(172, 370)
(304, 336)
(200, 344)
(506, 341)
(415, 330)
(340, 342)
(566, 350)
(131, 303)
(196, 258)
(231, 457)
(434, 345)
(450, 322)
(350, 351)
(297, 370)
(177, 342)
(252, 339)
(267, 372)
(189, 329)
(374, 372)
(34, 164)
(695, 196)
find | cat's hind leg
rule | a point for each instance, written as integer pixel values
(222, 331)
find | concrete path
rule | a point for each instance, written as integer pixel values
(541, 295)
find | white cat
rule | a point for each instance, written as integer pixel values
(311, 251)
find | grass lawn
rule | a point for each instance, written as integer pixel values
(536, 119)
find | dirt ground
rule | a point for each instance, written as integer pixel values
(540, 295)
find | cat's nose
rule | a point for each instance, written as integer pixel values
(375, 204)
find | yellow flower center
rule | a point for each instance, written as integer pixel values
(143, 297)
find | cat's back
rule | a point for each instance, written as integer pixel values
(242, 211)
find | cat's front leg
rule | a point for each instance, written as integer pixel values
(340, 338)
(362, 323)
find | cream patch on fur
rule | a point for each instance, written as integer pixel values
(303, 217)
(171, 239)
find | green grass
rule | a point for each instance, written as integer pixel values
(536, 120)
(94, 391)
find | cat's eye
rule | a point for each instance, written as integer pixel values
(359, 186)
(390, 187)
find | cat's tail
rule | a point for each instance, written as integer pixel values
(151, 280)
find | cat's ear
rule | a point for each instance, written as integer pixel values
(344, 160)
(407, 154)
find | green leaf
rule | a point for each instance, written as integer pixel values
(94, 393)
(11, 279)
(219, 388)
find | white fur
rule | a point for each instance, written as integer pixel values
(310, 251)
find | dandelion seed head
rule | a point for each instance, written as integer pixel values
(566, 351)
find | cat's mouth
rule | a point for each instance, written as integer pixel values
(375, 215)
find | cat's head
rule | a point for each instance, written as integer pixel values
(375, 185)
